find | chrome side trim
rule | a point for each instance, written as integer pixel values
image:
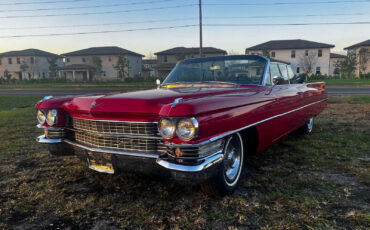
(115, 135)
(237, 130)
(44, 140)
(92, 149)
(208, 162)
(143, 122)
(48, 128)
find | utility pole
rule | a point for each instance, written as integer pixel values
(200, 30)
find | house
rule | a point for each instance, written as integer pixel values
(108, 63)
(334, 58)
(304, 56)
(148, 67)
(168, 59)
(28, 64)
(361, 50)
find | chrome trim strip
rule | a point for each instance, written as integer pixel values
(237, 130)
(144, 122)
(44, 140)
(133, 154)
(115, 135)
(48, 128)
(208, 162)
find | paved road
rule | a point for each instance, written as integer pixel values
(334, 91)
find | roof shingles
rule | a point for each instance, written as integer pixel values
(105, 50)
(289, 44)
(192, 50)
(364, 43)
(27, 52)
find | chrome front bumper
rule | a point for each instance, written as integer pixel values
(205, 164)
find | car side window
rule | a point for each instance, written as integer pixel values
(274, 70)
(284, 73)
(290, 72)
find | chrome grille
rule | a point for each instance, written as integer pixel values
(109, 127)
(111, 135)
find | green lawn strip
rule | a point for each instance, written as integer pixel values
(8, 102)
(344, 82)
(317, 181)
(71, 85)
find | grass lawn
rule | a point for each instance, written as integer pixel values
(80, 85)
(321, 181)
(344, 82)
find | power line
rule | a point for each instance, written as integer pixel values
(186, 26)
(286, 3)
(88, 7)
(182, 19)
(42, 2)
(94, 25)
(98, 32)
(96, 13)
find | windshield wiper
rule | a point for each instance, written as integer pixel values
(218, 82)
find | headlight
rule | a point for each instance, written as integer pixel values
(51, 117)
(187, 129)
(41, 117)
(166, 128)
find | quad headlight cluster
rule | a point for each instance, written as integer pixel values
(185, 128)
(49, 117)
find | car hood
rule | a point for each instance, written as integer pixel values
(141, 105)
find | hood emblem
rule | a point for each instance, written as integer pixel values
(93, 105)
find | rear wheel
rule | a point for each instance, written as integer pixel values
(227, 180)
(307, 128)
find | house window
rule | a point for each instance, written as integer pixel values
(292, 55)
(43, 74)
(164, 58)
(18, 60)
(319, 53)
(32, 60)
(0, 61)
(83, 60)
(318, 70)
(298, 70)
(104, 73)
(273, 54)
(10, 61)
(306, 53)
(109, 58)
(68, 60)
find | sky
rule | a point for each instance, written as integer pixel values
(18, 16)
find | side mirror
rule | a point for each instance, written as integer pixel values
(277, 80)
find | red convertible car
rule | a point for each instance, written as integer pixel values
(199, 125)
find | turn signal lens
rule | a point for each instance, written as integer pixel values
(41, 117)
(51, 117)
(166, 128)
(187, 129)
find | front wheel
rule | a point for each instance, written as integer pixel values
(227, 180)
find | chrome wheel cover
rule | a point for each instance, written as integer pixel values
(233, 159)
(310, 125)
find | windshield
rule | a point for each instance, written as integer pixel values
(243, 70)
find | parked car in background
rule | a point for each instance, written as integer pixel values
(200, 125)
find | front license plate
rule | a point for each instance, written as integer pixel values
(101, 162)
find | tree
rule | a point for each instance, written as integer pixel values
(53, 67)
(97, 63)
(348, 65)
(7, 75)
(364, 57)
(23, 67)
(308, 62)
(123, 67)
(266, 52)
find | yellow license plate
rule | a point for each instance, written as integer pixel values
(101, 162)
